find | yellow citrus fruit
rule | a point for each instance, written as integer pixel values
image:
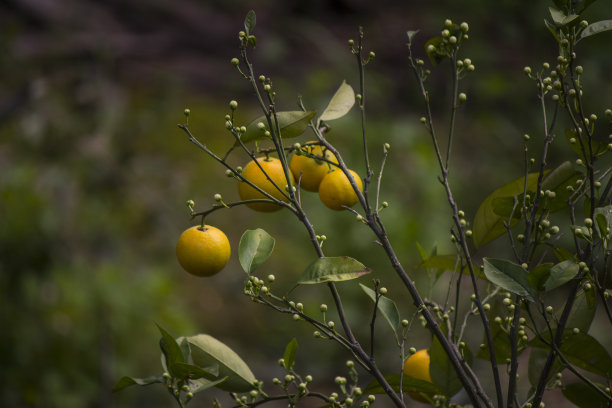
(336, 191)
(417, 366)
(274, 168)
(310, 171)
(203, 251)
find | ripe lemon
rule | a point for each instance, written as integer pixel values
(274, 168)
(311, 171)
(336, 191)
(417, 366)
(203, 251)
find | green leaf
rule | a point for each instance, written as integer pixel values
(441, 369)
(184, 370)
(584, 396)
(501, 345)
(537, 361)
(583, 311)
(435, 56)
(207, 351)
(560, 19)
(254, 248)
(487, 224)
(291, 124)
(561, 273)
(603, 222)
(596, 28)
(509, 276)
(249, 22)
(201, 384)
(290, 352)
(125, 382)
(409, 384)
(172, 351)
(557, 181)
(582, 351)
(340, 104)
(386, 307)
(537, 276)
(333, 269)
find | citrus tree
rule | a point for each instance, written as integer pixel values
(555, 223)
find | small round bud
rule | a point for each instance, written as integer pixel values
(588, 222)
(471, 68)
(423, 120)
(296, 317)
(448, 23)
(524, 266)
(584, 24)
(462, 97)
(486, 307)
(412, 350)
(235, 62)
(498, 319)
(242, 129)
(271, 278)
(445, 33)
(331, 324)
(382, 291)
(452, 39)
(217, 197)
(384, 204)
(575, 330)
(299, 306)
(507, 301)
(323, 307)
(233, 105)
(289, 378)
(359, 217)
(254, 393)
(166, 375)
(372, 54)
(350, 363)
(527, 70)
(526, 137)
(549, 309)
(267, 87)
(351, 42)
(371, 398)
(588, 286)
(431, 48)
(261, 125)
(468, 233)
(228, 125)
(308, 378)
(464, 27)
(405, 323)
(348, 401)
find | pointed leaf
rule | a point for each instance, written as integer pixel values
(184, 370)
(290, 352)
(583, 311)
(583, 396)
(582, 351)
(561, 273)
(603, 222)
(207, 351)
(596, 28)
(202, 384)
(291, 124)
(441, 369)
(386, 307)
(509, 276)
(129, 381)
(538, 276)
(557, 181)
(487, 224)
(409, 384)
(333, 269)
(171, 350)
(249, 22)
(537, 361)
(254, 248)
(340, 104)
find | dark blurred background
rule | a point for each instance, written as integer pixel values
(94, 173)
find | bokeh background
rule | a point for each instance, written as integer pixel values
(94, 173)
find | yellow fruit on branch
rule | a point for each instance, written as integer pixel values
(203, 251)
(310, 171)
(336, 191)
(274, 169)
(417, 366)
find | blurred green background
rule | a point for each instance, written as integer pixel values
(94, 173)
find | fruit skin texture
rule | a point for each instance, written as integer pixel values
(311, 170)
(336, 191)
(274, 168)
(417, 366)
(203, 251)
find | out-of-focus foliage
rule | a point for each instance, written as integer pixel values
(94, 173)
